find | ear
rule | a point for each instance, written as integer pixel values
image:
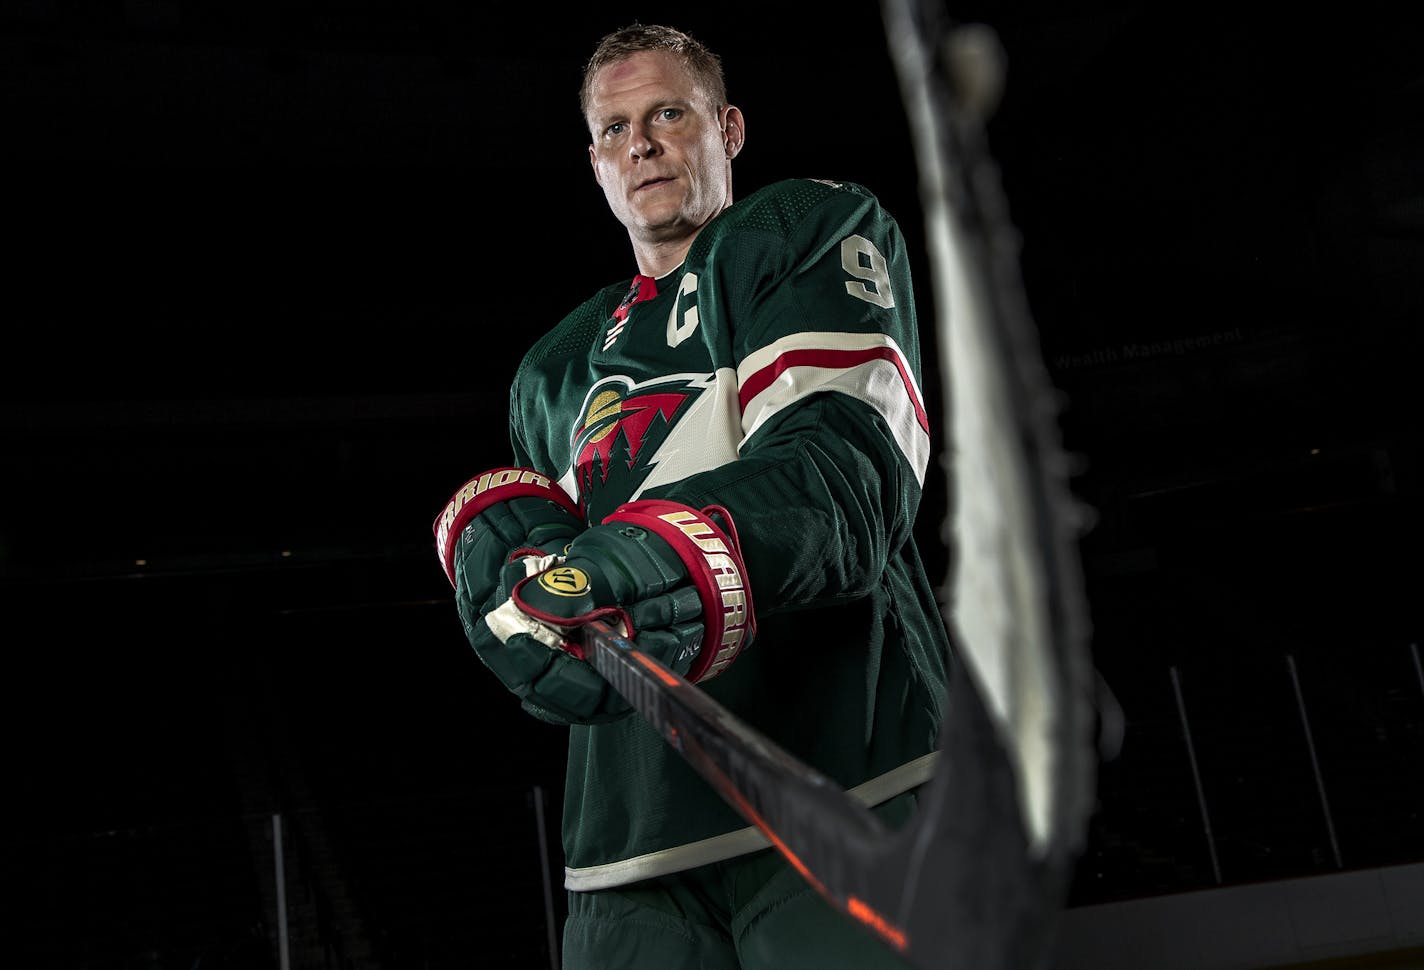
(593, 164)
(734, 130)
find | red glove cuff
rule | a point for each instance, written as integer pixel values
(482, 491)
(714, 564)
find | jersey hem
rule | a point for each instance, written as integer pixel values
(719, 848)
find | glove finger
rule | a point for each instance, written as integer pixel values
(484, 545)
(504, 523)
(517, 662)
(526, 657)
(550, 684)
(523, 523)
(575, 689)
(675, 646)
(678, 606)
(512, 573)
(479, 555)
(627, 562)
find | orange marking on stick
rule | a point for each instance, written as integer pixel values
(855, 907)
(755, 817)
(878, 923)
(657, 669)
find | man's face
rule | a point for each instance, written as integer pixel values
(659, 151)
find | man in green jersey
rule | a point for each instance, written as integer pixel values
(725, 454)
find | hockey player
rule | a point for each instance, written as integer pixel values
(725, 454)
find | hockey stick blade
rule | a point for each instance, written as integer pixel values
(1016, 599)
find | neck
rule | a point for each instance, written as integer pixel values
(659, 259)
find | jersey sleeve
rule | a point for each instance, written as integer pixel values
(836, 438)
(523, 456)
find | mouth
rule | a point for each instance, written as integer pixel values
(651, 183)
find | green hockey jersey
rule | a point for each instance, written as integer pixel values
(775, 373)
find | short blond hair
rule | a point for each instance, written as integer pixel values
(704, 66)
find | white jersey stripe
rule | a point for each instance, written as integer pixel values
(737, 842)
(869, 367)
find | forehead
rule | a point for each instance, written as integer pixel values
(639, 79)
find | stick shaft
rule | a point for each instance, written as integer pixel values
(822, 832)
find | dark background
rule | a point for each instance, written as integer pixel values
(270, 267)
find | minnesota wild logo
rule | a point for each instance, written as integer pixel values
(622, 426)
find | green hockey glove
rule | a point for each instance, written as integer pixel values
(497, 517)
(668, 575)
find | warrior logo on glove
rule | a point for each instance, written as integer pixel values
(565, 581)
(622, 571)
(528, 572)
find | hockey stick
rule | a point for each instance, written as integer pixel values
(975, 879)
(952, 889)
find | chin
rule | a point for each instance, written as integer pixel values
(657, 229)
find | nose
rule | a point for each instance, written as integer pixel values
(642, 144)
